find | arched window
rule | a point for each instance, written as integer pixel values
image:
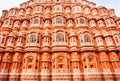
(87, 38)
(48, 10)
(87, 10)
(103, 11)
(99, 41)
(118, 22)
(12, 12)
(28, 11)
(57, 8)
(16, 24)
(3, 39)
(40, 1)
(117, 39)
(6, 22)
(10, 41)
(112, 12)
(67, 9)
(92, 23)
(73, 41)
(109, 41)
(76, 9)
(70, 21)
(53, 37)
(38, 9)
(32, 39)
(20, 40)
(35, 21)
(109, 22)
(100, 23)
(57, 0)
(58, 21)
(60, 37)
(24, 22)
(94, 12)
(38, 38)
(21, 12)
(82, 21)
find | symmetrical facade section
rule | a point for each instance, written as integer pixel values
(59, 40)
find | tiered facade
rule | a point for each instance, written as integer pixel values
(59, 40)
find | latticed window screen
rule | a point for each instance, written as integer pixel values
(87, 38)
(60, 38)
(33, 39)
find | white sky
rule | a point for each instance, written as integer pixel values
(115, 4)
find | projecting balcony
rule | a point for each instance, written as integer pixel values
(16, 27)
(31, 49)
(18, 49)
(60, 71)
(35, 44)
(4, 71)
(26, 71)
(111, 48)
(1, 49)
(9, 49)
(24, 27)
(35, 26)
(37, 12)
(47, 25)
(111, 27)
(57, 12)
(7, 27)
(87, 47)
(81, 26)
(59, 44)
(118, 47)
(45, 71)
(70, 25)
(59, 49)
(91, 71)
(14, 70)
(57, 25)
(73, 49)
(45, 49)
(101, 48)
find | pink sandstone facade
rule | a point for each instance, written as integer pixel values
(59, 40)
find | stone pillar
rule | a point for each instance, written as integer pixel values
(75, 66)
(45, 68)
(5, 66)
(105, 66)
(115, 65)
(16, 67)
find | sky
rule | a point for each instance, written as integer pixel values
(115, 4)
